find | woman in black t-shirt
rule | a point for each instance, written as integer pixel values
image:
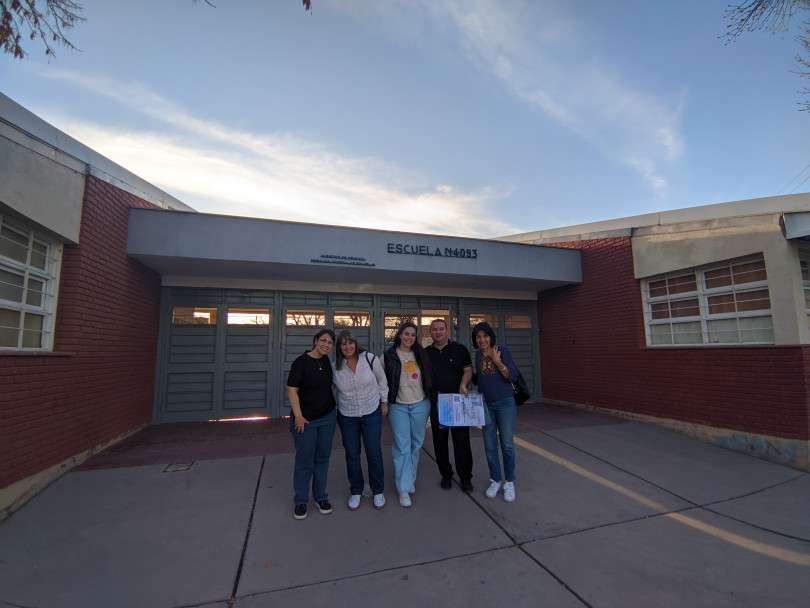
(312, 423)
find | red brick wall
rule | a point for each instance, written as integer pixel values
(593, 352)
(99, 380)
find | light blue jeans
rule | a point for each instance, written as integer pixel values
(408, 423)
(502, 427)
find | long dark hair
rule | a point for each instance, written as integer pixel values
(422, 358)
(487, 329)
(347, 336)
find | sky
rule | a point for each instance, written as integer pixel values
(480, 118)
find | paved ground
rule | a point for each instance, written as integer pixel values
(609, 513)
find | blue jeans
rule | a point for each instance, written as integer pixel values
(313, 448)
(502, 426)
(369, 429)
(408, 423)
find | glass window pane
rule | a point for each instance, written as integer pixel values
(749, 272)
(687, 333)
(306, 318)
(721, 304)
(756, 329)
(34, 293)
(659, 310)
(682, 284)
(9, 327)
(352, 318)
(13, 245)
(248, 316)
(805, 271)
(685, 308)
(660, 334)
(719, 277)
(658, 288)
(39, 256)
(32, 331)
(478, 318)
(723, 331)
(190, 315)
(11, 286)
(518, 321)
(753, 300)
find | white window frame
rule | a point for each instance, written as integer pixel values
(49, 276)
(804, 267)
(703, 317)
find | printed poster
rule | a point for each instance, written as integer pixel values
(457, 410)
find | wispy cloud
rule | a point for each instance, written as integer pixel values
(218, 169)
(523, 46)
(534, 49)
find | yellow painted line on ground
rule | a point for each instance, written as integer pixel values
(793, 557)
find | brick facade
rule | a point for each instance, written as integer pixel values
(98, 382)
(593, 353)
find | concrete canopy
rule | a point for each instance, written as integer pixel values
(195, 249)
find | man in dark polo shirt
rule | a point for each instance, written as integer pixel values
(452, 372)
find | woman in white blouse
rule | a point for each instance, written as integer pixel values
(362, 398)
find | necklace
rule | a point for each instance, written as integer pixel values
(320, 364)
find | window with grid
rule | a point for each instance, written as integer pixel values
(29, 268)
(804, 261)
(725, 303)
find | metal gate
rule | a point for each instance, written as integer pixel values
(226, 353)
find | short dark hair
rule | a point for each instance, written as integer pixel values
(325, 330)
(439, 320)
(487, 329)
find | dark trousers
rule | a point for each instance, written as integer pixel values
(369, 430)
(461, 446)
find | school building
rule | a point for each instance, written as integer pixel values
(120, 306)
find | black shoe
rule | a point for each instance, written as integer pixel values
(447, 483)
(467, 487)
(324, 506)
(300, 512)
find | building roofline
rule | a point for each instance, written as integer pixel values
(626, 225)
(35, 128)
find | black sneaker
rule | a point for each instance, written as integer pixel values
(467, 487)
(447, 483)
(324, 506)
(300, 512)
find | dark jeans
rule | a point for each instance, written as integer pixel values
(369, 429)
(461, 446)
(313, 448)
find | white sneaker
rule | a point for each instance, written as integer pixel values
(405, 499)
(509, 491)
(493, 489)
(354, 502)
(379, 501)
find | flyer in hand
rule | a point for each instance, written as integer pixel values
(457, 410)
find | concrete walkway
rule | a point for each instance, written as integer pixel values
(609, 513)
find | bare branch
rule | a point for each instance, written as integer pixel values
(23, 17)
(770, 15)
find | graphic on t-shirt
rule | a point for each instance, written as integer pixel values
(412, 368)
(487, 366)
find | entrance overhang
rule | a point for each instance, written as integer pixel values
(197, 249)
